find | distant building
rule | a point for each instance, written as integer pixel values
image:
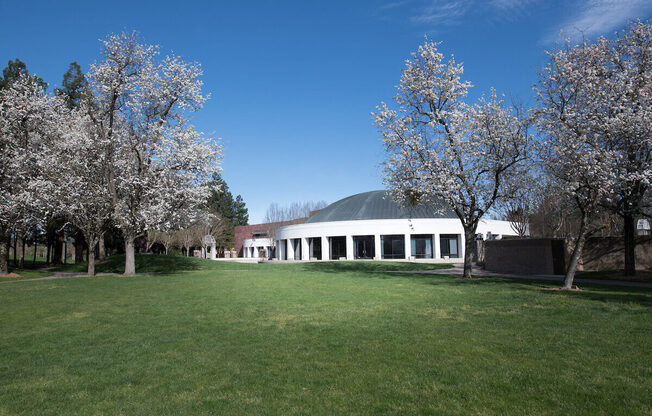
(643, 227)
(255, 241)
(371, 225)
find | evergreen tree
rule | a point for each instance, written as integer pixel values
(14, 70)
(233, 210)
(73, 85)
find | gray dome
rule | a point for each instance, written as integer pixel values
(377, 205)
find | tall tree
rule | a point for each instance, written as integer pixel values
(440, 148)
(76, 164)
(232, 210)
(157, 163)
(28, 121)
(14, 71)
(580, 167)
(73, 86)
(623, 119)
(600, 94)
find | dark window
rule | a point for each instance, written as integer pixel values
(449, 244)
(363, 247)
(421, 246)
(338, 247)
(393, 246)
(314, 244)
(296, 245)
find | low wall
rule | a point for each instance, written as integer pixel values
(604, 253)
(551, 256)
(524, 256)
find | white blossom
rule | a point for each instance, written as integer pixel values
(439, 148)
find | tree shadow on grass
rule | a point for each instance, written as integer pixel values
(338, 266)
(611, 294)
(601, 293)
(145, 263)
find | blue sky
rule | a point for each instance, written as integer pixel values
(292, 83)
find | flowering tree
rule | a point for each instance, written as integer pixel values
(596, 109)
(622, 117)
(573, 155)
(156, 163)
(76, 164)
(440, 148)
(28, 121)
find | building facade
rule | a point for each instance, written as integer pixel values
(372, 226)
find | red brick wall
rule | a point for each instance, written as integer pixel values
(244, 232)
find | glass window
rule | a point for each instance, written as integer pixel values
(314, 244)
(421, 246)
(449, 244)
(363, 247)
(393, 246)
(296, 245)
(337, 247)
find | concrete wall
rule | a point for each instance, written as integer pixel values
(524, 256)
(603, 253)
(551, 256)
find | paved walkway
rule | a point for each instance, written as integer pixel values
(458, 269)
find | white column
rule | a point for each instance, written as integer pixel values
(436, 253)
(325, 249)
(305, 249)
(255, 252)
(213, 249)
(408, 246)
(279, 250)
(461, 246)
(349, 247)
(290, 253)
(378, 248)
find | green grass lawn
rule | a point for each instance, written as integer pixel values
(319, 339)
(641, 275)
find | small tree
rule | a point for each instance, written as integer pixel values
(439, 148)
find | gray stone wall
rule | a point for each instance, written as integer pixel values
(550, 256)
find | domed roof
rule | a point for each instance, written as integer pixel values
(376, 205)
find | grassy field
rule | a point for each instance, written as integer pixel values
(198, 337)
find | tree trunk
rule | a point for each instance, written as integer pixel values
(4, 252)
(629, 234)
(91, 262)
(79, 252)
(101, 254)
(57, 249)
(577, 253)
(35, 247)
(47, 255)
(130, 262)
(15, 249)
(21, 262)
(469, 236)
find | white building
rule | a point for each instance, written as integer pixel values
(372, 226)
(260, 247)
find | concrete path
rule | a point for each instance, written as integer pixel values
(458, 269)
